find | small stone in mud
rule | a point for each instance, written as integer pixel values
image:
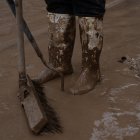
(132, 63)
(122, 59)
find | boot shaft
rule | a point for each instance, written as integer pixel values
(62, 29)
(91, 35)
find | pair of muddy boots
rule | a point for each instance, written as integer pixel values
(62, 29)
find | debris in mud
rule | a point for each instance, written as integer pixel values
(122, 59)
(120, 121)
(132, 63)
(109, 126)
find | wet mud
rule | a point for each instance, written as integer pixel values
(109, 112)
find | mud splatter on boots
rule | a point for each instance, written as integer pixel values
(91, 34)
(62, 29)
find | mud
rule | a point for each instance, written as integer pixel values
(115, 102)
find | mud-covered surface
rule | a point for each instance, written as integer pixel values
(110, 112)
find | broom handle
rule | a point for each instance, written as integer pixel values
(20, 43)
(28, 33)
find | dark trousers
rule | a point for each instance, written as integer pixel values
(87, 8)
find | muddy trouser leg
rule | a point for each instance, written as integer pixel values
(62, 29)
(91, 34)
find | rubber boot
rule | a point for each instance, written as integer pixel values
(62, 29)
(91, 34)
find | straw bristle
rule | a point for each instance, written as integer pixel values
(53, 125)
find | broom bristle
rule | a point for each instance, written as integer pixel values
(53, 125)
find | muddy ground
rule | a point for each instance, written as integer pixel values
(110, 112)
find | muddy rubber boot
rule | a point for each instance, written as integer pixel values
(62, 29)
(91, 34)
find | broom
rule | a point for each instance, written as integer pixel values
(32, 95)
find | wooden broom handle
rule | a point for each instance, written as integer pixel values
(20, 42)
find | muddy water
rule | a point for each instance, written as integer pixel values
(110, 112)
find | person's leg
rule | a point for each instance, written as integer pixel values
(61, 42)
(91, 33)
(89, 8)
(60, 6)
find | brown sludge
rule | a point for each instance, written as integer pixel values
(109, 112)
